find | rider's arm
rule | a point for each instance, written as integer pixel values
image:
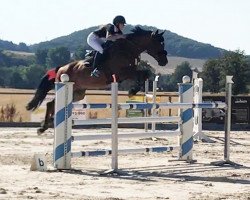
(112, 35)
(115, 37)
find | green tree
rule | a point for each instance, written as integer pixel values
(248, 72)
(58, 56)
(165, 83)
(5, 75)
(16, 80)
(41, 56)
(22, 47)
(211, 76)
(181, 70)
(235, 64)
(80, 53)
(4, 60)
(231, 63)
(169, 82)
(33, 76)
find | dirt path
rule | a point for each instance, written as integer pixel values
(145, 176)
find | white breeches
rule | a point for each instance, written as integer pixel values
(95, 42)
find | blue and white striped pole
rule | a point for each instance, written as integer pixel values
(63, 123)
(186, 114)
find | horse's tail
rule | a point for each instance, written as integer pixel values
(47, 84)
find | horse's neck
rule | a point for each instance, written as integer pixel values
(124, 48)
(140, 42)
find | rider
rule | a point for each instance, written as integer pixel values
(107, 32)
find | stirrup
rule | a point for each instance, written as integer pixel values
(95, 73)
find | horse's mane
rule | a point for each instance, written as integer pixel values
(138, 31)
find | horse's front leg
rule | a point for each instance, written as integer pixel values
(139, 78)
(133, 90)
(78, 95)
(49, 116)
(130, 73)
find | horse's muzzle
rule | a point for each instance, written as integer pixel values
(163, 58)
(163, 62)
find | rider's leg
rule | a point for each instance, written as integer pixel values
(96, 43)
(97, 64)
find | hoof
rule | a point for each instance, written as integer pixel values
(40, 131)
(131, 92)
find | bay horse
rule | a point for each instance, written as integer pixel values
(119, 60)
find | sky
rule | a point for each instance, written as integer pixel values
(221, 23)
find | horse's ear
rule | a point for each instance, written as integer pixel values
(155, 33)
(162, 33)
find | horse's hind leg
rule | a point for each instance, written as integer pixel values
(50, 110)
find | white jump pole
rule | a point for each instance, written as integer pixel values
(154, 100)
(198, 134)
(114, 127)
(198, 84)
(63, 123)
(229, 83)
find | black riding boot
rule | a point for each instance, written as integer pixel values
(96, 64)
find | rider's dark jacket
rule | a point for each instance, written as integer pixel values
(109, 29)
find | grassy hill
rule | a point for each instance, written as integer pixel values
(176, 45)
(173, 61)
(16, 58)
(20, 54)
(179, 48)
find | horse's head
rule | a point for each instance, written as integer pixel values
(151, 42)
(156, 48)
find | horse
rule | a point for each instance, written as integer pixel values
(119, 60)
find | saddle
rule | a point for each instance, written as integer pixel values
(90, 56)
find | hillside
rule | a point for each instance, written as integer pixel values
(19, 54)
(173, 61)
(175, 44)
(16, 58)
(8, 45)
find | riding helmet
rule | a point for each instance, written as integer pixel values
(119, 19)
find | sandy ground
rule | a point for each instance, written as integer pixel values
(146, 176)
